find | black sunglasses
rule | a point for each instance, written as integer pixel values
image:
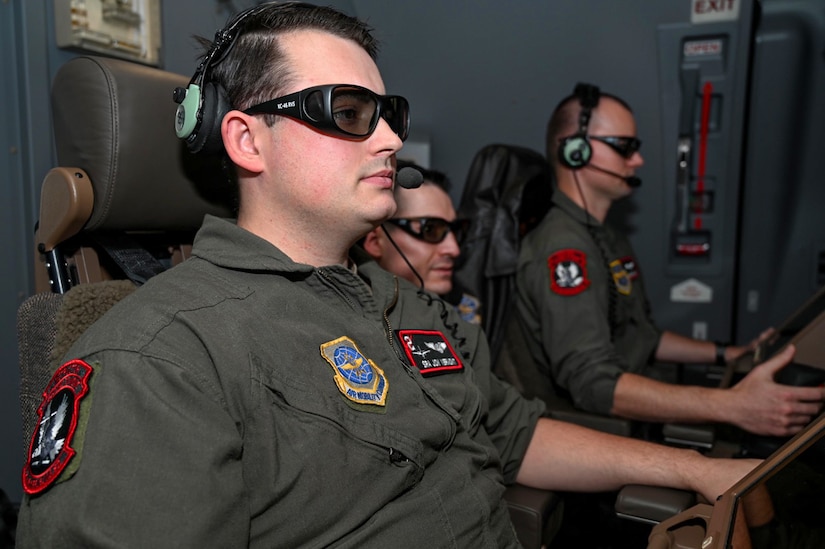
(624, 146)
(432, 229)
(341, 109)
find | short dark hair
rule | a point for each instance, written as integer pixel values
(433, 176)
(254, 70)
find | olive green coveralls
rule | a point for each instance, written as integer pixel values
(582, 309)
(241, 399)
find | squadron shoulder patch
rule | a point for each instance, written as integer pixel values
(469, 309)
(357, 377)
(429, 351)
(620, 276)
(50, 449)
(568, 272)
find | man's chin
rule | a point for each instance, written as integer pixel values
(381, 214)
(440, 286)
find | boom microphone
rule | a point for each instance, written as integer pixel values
(409, 178)
(631, 180)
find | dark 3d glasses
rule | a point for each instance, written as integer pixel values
(342, 110)
(624, 146)
(432, 229)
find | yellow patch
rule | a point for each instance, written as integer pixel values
(620, 277)
(356, 376)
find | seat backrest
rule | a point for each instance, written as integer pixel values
(125, 183)
(122, 205)
(507, 193)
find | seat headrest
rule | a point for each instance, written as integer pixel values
(507, 192)
(115, 120)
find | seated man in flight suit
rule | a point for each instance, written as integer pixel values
(581, 303)
(421, 242)
(279, 389)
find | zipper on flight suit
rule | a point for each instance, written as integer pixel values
(323, 273)
(388, 325)
(435, 398)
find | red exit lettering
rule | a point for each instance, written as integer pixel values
(713, 6)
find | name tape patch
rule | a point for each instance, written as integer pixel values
(429, 351)
(630, 266)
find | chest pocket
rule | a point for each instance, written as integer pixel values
(302, 440)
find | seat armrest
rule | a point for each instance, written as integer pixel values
(605, 424)
(697, 436)
(652, 504)
(531, 510)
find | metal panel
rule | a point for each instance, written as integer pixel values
(702, 73)
(782, 253)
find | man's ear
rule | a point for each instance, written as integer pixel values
(241, 133)
(373, 243)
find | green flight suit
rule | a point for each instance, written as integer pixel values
(243, 400)
(582, 308)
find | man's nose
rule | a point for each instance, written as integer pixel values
(449, 246)
(389, 138)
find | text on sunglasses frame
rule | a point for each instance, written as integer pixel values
(624, 146)
(343, 110)
(432, 230)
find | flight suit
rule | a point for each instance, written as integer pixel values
(582, 308)
(241, 399)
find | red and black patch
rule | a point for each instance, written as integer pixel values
(631, 267)
(50, 449)
(568, 272)
(429, 351)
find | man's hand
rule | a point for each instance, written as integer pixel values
(762, 406)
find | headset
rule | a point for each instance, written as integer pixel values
(575, 151)
(203, 104)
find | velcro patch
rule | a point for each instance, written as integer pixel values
(469, 309)
(50, 449)
(429, 351)
(568, 272)
(630, 267)
(357, 377)
(620, 277)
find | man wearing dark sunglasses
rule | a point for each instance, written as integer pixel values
(582, 306)
(280, 389)
(421, 242)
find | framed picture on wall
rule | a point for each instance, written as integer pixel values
(121, 28)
